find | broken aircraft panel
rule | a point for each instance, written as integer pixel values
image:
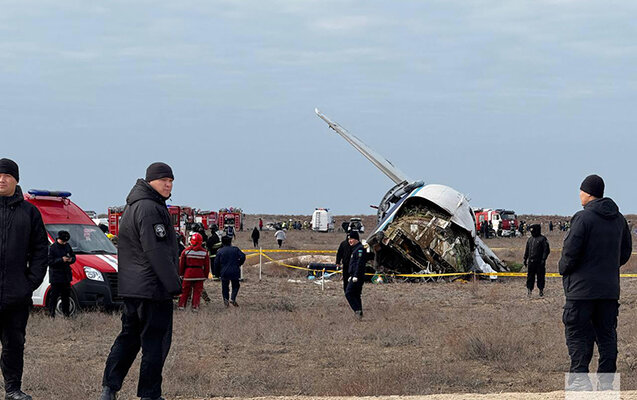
(422, 228)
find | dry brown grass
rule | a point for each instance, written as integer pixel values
(294, 339)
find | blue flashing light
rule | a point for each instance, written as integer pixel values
(49, 193)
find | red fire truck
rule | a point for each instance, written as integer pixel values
(230, 217)
(503, 222)
(114, 215)
(206, 218)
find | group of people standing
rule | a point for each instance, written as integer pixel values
(151, 275)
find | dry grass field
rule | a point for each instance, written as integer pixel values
(295, 339)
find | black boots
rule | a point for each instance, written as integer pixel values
(17, 395)
(108, 394)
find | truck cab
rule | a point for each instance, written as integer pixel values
(94, 282)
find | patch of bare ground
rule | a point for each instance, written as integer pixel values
(294, 339)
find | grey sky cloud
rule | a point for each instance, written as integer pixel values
(501, 100)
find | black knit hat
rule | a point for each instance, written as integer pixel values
(158, 170)
(593, 185)
(9, 167)
(354, 235)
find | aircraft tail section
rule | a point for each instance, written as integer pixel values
(379, 161)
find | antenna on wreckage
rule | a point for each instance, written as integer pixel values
(396, 175)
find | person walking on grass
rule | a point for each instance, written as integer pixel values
(23, 261)
(255, 237)
(343, 255)
(228, 267)
(594, 249)
(194, 267)
(148, 282)
(535, 255)
(61, 257)
(280, 236)
(356, 274)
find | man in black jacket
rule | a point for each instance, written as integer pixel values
(23, 260)
(61, 257)
(343, 255)
(597, 244)
(535, 255)
(356, 274)
(148, 281)
(228, 264)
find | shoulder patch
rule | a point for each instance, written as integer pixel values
(160, 231)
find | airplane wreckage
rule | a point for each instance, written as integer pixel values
(422, 229)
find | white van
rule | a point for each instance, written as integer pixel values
(322, 220)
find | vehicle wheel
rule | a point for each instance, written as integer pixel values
(74, 306)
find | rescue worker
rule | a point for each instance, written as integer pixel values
(280, 236)
(228, 267)
(260, 224)
(61, 257)
(255, 237)
(343, 255)
(535, 255)
(148, 281)
(194, 267)
(356, 274)
(23, 261)
(597, 245)
(213, 244)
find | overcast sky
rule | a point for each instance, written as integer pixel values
(511, 102)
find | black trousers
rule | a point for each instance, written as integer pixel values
(587, 322)
(345, 280)
(225, 288)
(148, 325)
(62, 290)
(280, 242)
(255, 242)
(353, 295)
(539, 270)
(13, 326)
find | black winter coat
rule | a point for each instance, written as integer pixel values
(255, 234)
(23, 250)
(357, 262)
(597, 244)
(343, 255)
(228, 262)
(60, 271)
(147, 248)
(537, 249)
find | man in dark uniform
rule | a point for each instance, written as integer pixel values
(356, 274)
(23, 261)
(535, 255)
(148, 281)
(228, 267)
(61, 257)
(597, 245)
(213, 244)
(343, 255)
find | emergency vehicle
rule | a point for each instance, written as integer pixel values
(206, 218)
(94, 282)
(114, 215)
(504, 222)
(322, 220)
(230, 217)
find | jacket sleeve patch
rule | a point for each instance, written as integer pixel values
(160, 231)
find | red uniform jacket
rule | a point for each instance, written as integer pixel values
(194, 264)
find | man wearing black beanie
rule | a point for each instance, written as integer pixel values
(23, 263)
(148, 281)
(597, 244)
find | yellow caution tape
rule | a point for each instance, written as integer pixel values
(509, 274)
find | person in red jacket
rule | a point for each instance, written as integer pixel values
(194, 267)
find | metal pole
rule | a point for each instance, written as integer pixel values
(323, 281)
(260, 262)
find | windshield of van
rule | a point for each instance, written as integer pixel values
(508, 216)
(85, 239)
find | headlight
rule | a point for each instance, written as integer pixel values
(93, 274)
